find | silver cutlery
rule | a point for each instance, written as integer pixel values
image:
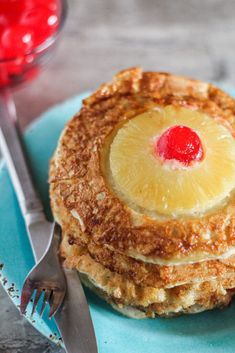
(73, 317)
(46, 278)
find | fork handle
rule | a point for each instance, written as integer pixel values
(11, 147)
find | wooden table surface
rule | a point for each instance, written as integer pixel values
(101, 37)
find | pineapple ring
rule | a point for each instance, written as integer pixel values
(145, 182)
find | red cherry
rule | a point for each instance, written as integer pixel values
(17, 41)
(10, 11)
(180, 143)
(4, 79)
(25, 24)
(42, 19)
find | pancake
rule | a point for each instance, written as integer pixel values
(115, 288)
(159, 276)
(151, 235)
(204, 303)
(84, 188)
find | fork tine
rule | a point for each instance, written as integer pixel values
(27, 293)
(36, 299)
(47, 294)
(55, 302)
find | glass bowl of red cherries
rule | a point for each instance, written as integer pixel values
(28, 31)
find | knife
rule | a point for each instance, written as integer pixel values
(73, 318)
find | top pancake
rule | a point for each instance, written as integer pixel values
(78, 172)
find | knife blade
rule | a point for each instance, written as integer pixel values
(74, 320)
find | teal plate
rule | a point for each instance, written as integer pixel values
(207, 332)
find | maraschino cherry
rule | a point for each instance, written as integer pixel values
(180, 143)
(25, 24)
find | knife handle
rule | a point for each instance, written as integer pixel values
(11, 147)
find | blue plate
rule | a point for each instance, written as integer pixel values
(207, 332)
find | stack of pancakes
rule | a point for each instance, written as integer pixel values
(143, 264)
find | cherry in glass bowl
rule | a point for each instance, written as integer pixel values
(29, 29)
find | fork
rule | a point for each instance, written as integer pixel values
(47, 275)
(46, 278)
